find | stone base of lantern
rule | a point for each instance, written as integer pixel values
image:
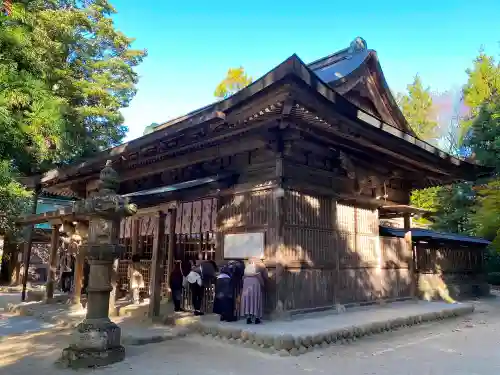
(95, 343)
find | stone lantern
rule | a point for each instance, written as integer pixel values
(96, 341)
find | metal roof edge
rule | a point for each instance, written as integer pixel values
(427, 233)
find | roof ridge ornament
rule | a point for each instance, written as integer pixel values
(358, 45)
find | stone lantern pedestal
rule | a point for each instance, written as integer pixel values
(97, 340)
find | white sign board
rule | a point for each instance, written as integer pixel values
(244, 245)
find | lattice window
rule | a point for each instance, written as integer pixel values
(126, 238)
(146, 235)
(146, 274)
(126, 241)
(122, 280)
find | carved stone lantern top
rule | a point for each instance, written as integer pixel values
(106, 203)
(109, 181)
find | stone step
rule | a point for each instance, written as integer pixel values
(292, 338)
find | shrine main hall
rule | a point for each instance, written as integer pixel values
(310, 168)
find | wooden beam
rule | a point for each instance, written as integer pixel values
(218, 151)
(333, 115)
(342, 140)
(157, 262)
(56, 217)
(54, 247)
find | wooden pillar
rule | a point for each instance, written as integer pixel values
(279, 226)
(337, 277)
(114, 283)
(17, 259)
(171, 241)
(54, 246)
(29, 243)
(409, 245)
(78, 277)
(134, 240)
(157, 262)
(81, 234)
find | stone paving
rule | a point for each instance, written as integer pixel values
(314, 331)
(39, 316)
(464, 346)
(61, 314)
(15, 325)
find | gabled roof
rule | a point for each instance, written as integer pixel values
(353, 71)
(356, 71)
(291, 70)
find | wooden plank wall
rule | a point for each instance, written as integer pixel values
(333, 255)
(308, 256)
(371, 267)
(452, 270)
(437, 258)
(251, 211)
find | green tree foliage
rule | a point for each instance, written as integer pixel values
(14, 198)
(418, 109)
(455, 206)
(65, 72)
(426, 199)
(487, 217)
(235, 80)
(482, 89)
(484, 140)
(451, 207)
(484, 134)
(461, 208)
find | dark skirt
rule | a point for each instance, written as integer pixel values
(224, 299)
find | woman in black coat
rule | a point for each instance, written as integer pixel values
(176, 281)
(228, 280)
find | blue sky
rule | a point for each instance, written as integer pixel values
(191, 44)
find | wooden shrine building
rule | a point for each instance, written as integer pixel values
(297, 168)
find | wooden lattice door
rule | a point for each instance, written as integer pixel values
(195, 234)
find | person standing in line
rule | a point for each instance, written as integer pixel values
(86, 274)
(201, 276)
(252, 295)
(135, 277)
(194, 279)
(176, 284)
(227, 282)
(66, 272)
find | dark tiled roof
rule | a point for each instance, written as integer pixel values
(291, 67)
(426, 234)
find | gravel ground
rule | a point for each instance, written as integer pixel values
(6, 298)
(464, 346)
